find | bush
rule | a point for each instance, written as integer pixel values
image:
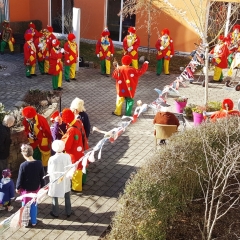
(169, 182)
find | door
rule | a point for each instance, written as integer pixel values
(116, 24)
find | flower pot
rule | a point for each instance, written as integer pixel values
(197, 118)
(179, 106)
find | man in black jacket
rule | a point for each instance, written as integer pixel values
(5, 140)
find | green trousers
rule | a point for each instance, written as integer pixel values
(28, 70)
(55, 82)
(129, 106)
(67, 72)
(41, 66)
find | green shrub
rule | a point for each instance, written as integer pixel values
(168, 181)
(3, 112)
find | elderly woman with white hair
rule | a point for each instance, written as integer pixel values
(57, 165)
(5, 140)
(77, 107)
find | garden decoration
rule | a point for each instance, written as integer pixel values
(198, 115)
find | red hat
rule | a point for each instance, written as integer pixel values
(105, 32)
(227, 104)
(126, 60)
(55, 43)
(132, 29)
(55, 114)
(221, 38)
(237, 26)
(29, 112)
(165, 31)
(28, 36)
(32, 25)
(67, 115)
(71, 36)
(49, 28)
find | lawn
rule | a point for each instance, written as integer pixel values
(87, 51)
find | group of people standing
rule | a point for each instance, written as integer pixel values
(44, 48)
(50, 150)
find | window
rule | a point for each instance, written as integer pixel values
(116, 25)
(3, 10)
(61, 15)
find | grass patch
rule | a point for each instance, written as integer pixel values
(87, 51)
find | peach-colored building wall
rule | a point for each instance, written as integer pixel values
(93, 17)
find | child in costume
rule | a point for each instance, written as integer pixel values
(220, 54)
(104, 51)
(126, 83)
(7, 37)
(70, 58)
(131, 44)
(165, 51)
(55, 65)
(30, 56)
(6, 190)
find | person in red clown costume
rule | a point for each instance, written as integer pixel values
(29, 55)
(49, 38)
(219, 58)
(104, 51)
(227, 110)
(131, 44)
(165, 51)
(75, 144)
(7, 37)
(32, 30)
(39, 135)
(41, 48)
(55, 63)
(126, 83)
(233, 43)
(70, 58)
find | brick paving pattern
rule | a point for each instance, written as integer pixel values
(97, 203)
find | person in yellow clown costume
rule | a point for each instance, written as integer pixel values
(70, 58)
(49, 38)
(227, 110)
(165, 51)
(32, 30)
(219, 58)
(104, 51)
(39, 135)
(7, 37)
(55, 63)
(41, 48)
(126, 84)
(29, 55)
(131, 44)
(75, 144)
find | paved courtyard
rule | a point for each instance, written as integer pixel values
(97, 203)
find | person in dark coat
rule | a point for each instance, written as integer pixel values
(5, 140)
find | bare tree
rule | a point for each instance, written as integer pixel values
(219, 179)
(143, 8)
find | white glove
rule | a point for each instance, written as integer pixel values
(68, 61)
(111, 55)
(40, 45)
(146, 62)
(62, 50)
(30, 135)
(98, 55)
(170, 56)
(130, 49)
(161, 48)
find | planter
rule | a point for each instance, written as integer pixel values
(179, 106)
(197, 118)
